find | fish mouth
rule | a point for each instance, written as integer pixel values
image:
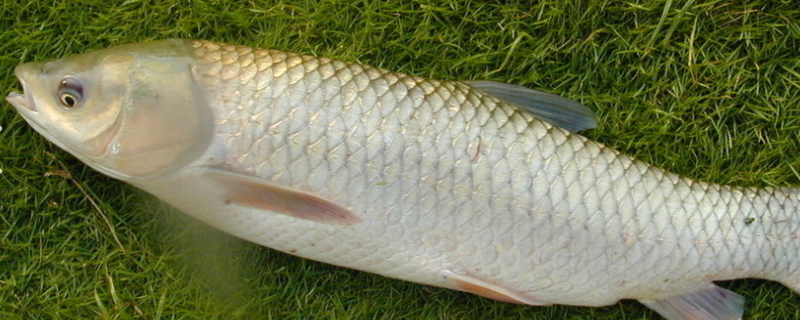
(21, 101)
(24, 104)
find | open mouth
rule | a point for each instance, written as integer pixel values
(21, 101)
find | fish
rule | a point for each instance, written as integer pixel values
(477, 186)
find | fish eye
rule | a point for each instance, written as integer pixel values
(70, 92)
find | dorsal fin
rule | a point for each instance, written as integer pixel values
(558, 111)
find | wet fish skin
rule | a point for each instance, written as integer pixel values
(429, 181)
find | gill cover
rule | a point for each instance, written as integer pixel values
(165, 121)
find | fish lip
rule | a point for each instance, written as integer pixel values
(24, 104)
(21, 101)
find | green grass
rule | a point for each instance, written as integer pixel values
(708, 89)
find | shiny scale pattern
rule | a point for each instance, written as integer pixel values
(447, 178)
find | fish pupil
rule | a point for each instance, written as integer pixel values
(69, 100)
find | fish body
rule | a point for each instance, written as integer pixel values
(473, 186)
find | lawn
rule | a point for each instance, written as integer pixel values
(707, 89)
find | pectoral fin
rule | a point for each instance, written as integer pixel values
(489, 290)
(258, 193)
(713, 303)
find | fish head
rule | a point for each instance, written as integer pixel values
(130, 112)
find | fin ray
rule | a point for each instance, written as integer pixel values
(713, 303)
(489, 290)
(559, 111)
(258, 193)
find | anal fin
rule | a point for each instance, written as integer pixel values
(489, 290)
(258, 193)
(712, 303)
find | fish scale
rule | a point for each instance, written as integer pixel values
(474, 186)
(505, 166)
